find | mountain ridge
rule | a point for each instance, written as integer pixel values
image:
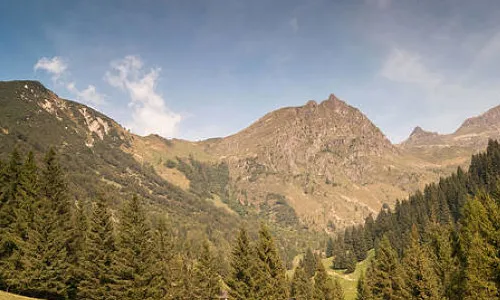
(326, 160)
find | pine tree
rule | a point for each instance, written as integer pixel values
(45, 263)
(8, 206)
(241, 281)
(421, 277)
(164, 255)
(385, 276)
(329, 247)
(447, 266)
(98, 255)
(324, 287)
(362, 289)
(309, 263)
(134, 258)
(301, 287)
(270, 275)
(206, 277)
(477, 236)
(21, 210)
(45, 259)
(76, 249)
(350, 262)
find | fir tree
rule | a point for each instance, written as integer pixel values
(164, 255)
(362, 290)
(477, 241)
(324, 287)
(421, 277)
(309, 263)
(270, 275)
(329, 248)
(98, 255)
(241, 281)
(206, 277)
(301, 287)
(134, 257)
(385, 276)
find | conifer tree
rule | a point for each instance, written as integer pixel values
(21, 210)
(447, 266)
(163, 256)
(329, 247)
(45, 259)
(385, 276)
(45, 271)
(309, 263)
(421, 277)
(98, 255)
(134, 258)
(241, 281)
(8, 206)
(362, 289)
(477, 241)
(270, 274)
(324, 287)
(76, 249)
(301, 287)
(206, 276)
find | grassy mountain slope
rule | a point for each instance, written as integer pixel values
(101, 157)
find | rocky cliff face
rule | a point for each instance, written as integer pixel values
(315, 138)
(329, 160)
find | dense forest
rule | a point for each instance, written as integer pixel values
(53, 247)
(442, 243)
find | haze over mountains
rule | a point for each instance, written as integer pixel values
(326, 161)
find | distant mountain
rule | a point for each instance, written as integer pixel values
(329, 161)
(320, 165)
(447, 151)
(101, 158)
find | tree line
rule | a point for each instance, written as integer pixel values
(55, 247)
(441, 243)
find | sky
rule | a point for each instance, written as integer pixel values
(196, 69)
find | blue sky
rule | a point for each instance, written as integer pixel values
(199, 69)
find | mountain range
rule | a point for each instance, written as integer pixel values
(318, 166)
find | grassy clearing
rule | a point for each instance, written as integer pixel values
(349, 281)
(8, 296)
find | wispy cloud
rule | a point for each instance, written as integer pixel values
(150, 113)
(55, 66)
(406, 67)
(452, 94)
(88, 95)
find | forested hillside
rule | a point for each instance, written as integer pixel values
(441, 243)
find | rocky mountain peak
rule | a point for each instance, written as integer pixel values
(420, 136)
(486, 121)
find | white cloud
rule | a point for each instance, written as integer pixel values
(294, 23)
(406, 67)
(55, 66)
(89, 95)
(453, 94)
(149, 111)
